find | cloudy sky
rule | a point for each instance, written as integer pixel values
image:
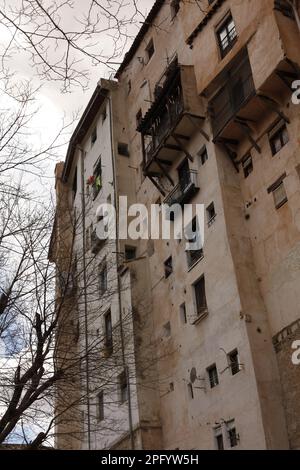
(53, 104)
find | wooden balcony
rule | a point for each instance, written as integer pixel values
(176, 114)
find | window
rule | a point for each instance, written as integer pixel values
(168, 267)
(94, 136)
(108, 330)
(175, 7)
(103, 279)
(213, 376)
(100, 406)
(104, 115)
(139, 117)
(97, 178)
(150, 50)
(74, 185)
(203, 154)
(123, 149)
(182, 313)
(129, 86)
(285, 8)
(197, 253)
(123, 387)
(130, 253)
(190, 391)
(227, 35)
(247, 164)
(233, 359)
(278, 137)
(88, 237)
(199, 289)
(211, 214)
(219, 438)
(167, 330)
(279, 192)
(232, 434)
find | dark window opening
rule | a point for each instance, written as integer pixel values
(203, 154)
(219, 442)
(130, 253)
(108, 330)
(150, 50)
(227, 35)
(168, 264)
(104, 114)
(74, 185)
(123, 387)
(280, 196)
(233, 437)
(211, 214)
(247, 166)
(233, 358)
(175, 7)
(213, 376)
(183, 315)
(100, 406)
(278, 137)
(139, 117)
(194, 238)
(200, 296)
(94, 136)
(103, 279)
(97, 179)
(123, 149)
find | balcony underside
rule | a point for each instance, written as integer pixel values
(173, 144)
(270, 98)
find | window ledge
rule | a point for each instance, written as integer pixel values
(192, 266)
(199, 318)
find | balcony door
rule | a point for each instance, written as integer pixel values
(184, 175)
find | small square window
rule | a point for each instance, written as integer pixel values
(94, 136)
(203, 154)
(150, 50)
(247, 166)
(211, 214)
(213, 376)
(233, 359)
(278, 137)
(168, 267)
(227, 35)
(123, 149)
(123, 387)
(130, 253)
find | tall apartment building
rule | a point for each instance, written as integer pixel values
(201, 113)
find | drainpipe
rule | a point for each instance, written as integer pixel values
(126, 368)
(87, 372)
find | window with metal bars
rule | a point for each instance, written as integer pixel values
(227, 35)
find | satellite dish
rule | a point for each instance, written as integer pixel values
(193, 375)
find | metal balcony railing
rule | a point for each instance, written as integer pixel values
(171, 111)
(181, 193)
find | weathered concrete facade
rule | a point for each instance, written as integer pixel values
(210, 93)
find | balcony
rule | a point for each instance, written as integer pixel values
(175, 115)
(236, 93)
(184, 190)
